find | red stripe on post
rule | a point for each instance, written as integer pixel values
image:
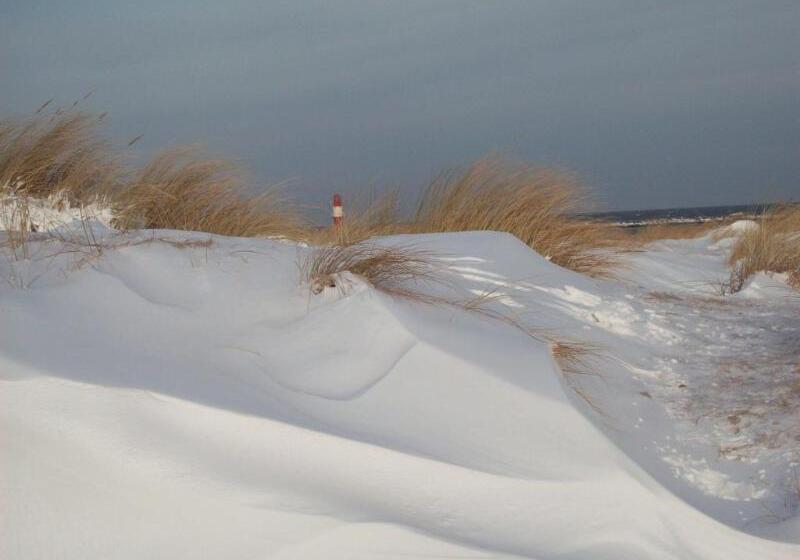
(338, 213)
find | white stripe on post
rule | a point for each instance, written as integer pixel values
(338, 212)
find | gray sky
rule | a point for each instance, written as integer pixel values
(654, 103)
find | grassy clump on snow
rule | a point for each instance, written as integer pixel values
(535, 204)
(389, 269)
(57, 157)
(62, 155)
(773, 245)
(61, 161)
(185, 190)
(50, 167)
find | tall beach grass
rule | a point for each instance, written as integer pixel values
(62, 157)
(536, 204)
(184, 189)
(63, 160)
(773, 245)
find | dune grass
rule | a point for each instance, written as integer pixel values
(388, 269)
(184, 189)
(535, 204)
(63, 154)
(60, 156)
(50, 161)
(772, 246)
(63, 159)
(15, 220)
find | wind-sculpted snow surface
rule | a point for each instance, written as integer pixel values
(195, 400)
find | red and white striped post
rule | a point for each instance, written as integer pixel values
(338, 213)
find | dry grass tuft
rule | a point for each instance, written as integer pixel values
(794, 279)
(535, 204)
(57, 156)
(15, 219)
(574, 356)
(773, 246)
(181, 189)
(662, 296)
(62, 157)
(388, 269)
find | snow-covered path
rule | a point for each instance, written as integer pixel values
(195, 400)
(740, 387)
(730, 378)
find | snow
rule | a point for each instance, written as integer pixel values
(184, 395)
(738, 227)
(50, 214)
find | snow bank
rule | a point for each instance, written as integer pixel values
(193, 400)
(735, 229)
(49, 214)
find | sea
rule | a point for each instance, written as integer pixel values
(635, 218)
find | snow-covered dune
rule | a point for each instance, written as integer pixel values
(173, 400)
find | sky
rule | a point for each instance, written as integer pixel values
(654, 104)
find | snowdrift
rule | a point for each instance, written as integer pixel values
(168, 399)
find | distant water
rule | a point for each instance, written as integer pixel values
(678, 215)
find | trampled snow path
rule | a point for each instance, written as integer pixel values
(740, 387)
(728, 374)
(168, 400)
